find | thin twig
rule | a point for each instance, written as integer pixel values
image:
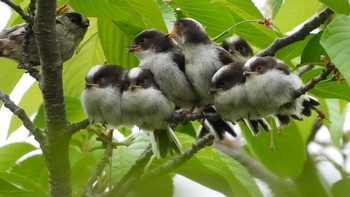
(298, 35)
(19, 10)
(305, 69)
(179, 117)
(312, 83)
(75, 127)
(21, 114)
(233, 26)
(166, 167)
(135, 169)
(88, 190)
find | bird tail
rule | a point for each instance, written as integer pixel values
(281, 120)
(253, 125)
(309, 104)
(164, 141)
(217, 128)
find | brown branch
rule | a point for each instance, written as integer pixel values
(135, 170)
(304, 31)
(166, 167)
(88, 190)
(179, 117)
(19, 10)
(312, 83)
(21, 114)
(75, 127)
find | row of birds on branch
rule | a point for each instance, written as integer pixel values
(193, 74)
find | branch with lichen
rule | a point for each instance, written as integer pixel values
(301, 34)
(21, 114)
(135, 170)
(166, 167)
(88, 190)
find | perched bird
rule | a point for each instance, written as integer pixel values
(238, 47)
(158, 53)
(144, 105)
(101, 98)
(230, 97)
(70, 31)
(271, 88)
(203, 58)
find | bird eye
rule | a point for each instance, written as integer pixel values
(222, 84)
(142, 40)
(142, 81)
(259, 68)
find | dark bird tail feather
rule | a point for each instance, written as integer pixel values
(309, 104)
(164, 141)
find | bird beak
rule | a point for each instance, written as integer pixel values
(247, 73)
(86, 23)
(172, 34)
(89, 85)
(133, 48)
(133, 86)
(214, 90)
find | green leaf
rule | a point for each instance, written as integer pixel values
(83, 166)
(256, 34)
(292, 51)
(10, 153)
(275, 5)
(329, 88)
(30, 102)
(288, 157)
(33, 168)
(313, 51)
(341, 188)
(336, 41)
(338, 6)
(17, 185)
(162, 186)
(294, 12)
(336, 116)
(218, 171)
(115, 47)
(124, 157)
(88, 54)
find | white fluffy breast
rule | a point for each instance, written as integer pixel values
(146, 108)
(102, 105)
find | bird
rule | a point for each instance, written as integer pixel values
(271, 87)
(145, 105)
(166, 61)
(102, 96)
(230, 97)
(238, 47)
(70, 30)
(203, 58)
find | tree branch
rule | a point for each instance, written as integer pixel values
(19, 10)
(305, 30)
(21, 114)
(312, 83)
(75, 127)
(88, 191)
(179, 117)
(135, 169)
(167, 167)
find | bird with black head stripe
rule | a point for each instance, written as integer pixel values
(159, 54)
(271, 86)
(144, 105)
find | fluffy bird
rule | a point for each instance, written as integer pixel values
(70, 30)
(270, 88)
(230, 97)
(101, 98)
(144, 105)
(238, 47)
(158, 53)
(203, 58)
